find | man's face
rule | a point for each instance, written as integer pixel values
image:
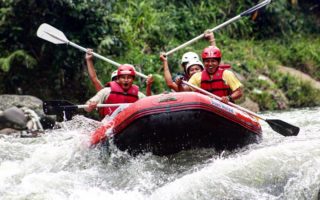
(211, 65)
(125, 81)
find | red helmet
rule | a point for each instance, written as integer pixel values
(126, 69)
(211, 52)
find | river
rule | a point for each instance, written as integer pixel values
(59, 165)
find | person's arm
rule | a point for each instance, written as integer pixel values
(92, 72)
(181, 87)
(208, 35)
(167, 74)
(235, 85)
(149, 82)
(236, 94)
(194, 80)
(97, 99)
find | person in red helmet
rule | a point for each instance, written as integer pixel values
(215, 79)
(122, 90)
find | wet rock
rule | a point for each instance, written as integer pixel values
(300, 75)
(7, 101)
(280, 98)
(271, 91)
(249, 104)
(23, 112)
(8, 131)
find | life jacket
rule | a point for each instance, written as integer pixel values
(107, 84)
(216, 85)
(225, 66)
(118, 95)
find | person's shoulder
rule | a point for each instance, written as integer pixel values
(196, 75)
(228, 72)
(105, 90)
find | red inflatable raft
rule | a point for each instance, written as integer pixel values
(168, 123)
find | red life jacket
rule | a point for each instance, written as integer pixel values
(216, 85)
(107, 84)
(118, 95)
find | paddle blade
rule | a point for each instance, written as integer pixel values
(63, 109)
(282, 127)
(51, 34)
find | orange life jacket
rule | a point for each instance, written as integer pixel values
(216, 85)
(118, 95)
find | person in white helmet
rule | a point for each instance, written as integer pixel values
(193, 67)
(114, 75)
(186, 58)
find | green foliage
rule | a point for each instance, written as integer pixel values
(266, 93)
(136, 31)
(300, 51)
(265, 100)
(58, 69)
(19, 56)
(299, 93)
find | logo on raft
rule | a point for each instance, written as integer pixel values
(167, 98)
(223, 106)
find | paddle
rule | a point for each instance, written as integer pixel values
(277, 125)
(53, 35)
(60, 107)
(245, 13)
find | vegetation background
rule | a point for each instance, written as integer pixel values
(285, 33)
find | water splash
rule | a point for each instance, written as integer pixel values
(59, 165)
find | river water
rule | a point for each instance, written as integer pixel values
(59, 165)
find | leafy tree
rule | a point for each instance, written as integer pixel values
(136, 31)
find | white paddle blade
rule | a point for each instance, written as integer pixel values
(51, 34)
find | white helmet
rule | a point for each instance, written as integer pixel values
(194, 62)
(187, 57)
(114, 74)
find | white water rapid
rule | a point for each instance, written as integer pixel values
(59, 165)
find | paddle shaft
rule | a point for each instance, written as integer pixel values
(202, 35)
(63, 39)
(102, 105)
(279, 126)
(219, 98)
(102, 58)
(245, 13)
